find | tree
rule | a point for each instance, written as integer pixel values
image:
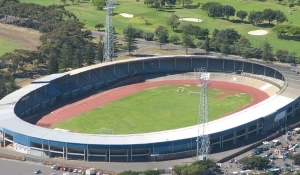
(206, 45)
(295, 158)
(170, 3)
(174, 39)
(243, 42)
(281, 29)
(229, 36)
(280, 17)
(255, 17)
(295, 31)
(89, 54)
(203, 33)
(151, 172)
(187, 41)
(215, 11)
(66, 57)
(269, 15)
(99, 25)
(130, 38)
(77, 61)
(228, 11)
(72, 1)
(242, 15)
(282, 55)
(64, 1)
(162, 35)
(100, 51)
(99, 4)
(129, 173)
(145, 19)
(267, 51)
(185, 2)
(291, 6)
(173, 21)
(241, 45)
(254, 161)
(52, 66)
(225, 49)
(292, 57)
(148, 36)
(205, 7)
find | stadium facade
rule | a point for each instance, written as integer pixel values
(46, 92)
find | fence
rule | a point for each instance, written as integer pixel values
(30, 159)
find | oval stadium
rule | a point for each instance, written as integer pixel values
(273, 111)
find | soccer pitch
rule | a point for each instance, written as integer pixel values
(155, 109)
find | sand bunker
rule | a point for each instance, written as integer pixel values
(258, 32)
(191, 19)
(126, 15)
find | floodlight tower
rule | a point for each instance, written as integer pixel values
(203, 140)
(108, 49)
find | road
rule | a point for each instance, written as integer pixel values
(142, 44)
(9, 167)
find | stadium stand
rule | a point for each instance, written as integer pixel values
(173, 144)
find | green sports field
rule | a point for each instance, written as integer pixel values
(155, 109)
(87, 13)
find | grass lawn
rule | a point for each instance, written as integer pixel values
(154, 109)
(87, 13)
(8, 46)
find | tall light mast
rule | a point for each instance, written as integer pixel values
(203, 139)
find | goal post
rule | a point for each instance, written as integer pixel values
(106, 131)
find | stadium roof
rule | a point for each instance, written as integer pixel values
(49, 78)
(18, 94)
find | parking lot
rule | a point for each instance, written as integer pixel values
(277, 151)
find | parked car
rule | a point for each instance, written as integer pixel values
(37, 171)
(70, 170)
(243, 167)
(293, 64)
(61, 168)
(65, 169)
(53, 166)
(231, 160)
(267, 154)
(57, 168)
(75, 170)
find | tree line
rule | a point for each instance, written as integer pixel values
(64, 44)
(216, 10)
(287, 31)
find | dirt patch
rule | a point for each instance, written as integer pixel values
(29, 38)
(109, 96)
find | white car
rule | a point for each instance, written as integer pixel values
(75, 171)
(80, 171)
(53, 166)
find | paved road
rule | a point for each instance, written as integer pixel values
(11, 167)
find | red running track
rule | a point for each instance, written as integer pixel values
(103, 98)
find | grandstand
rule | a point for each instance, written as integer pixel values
(173, 144)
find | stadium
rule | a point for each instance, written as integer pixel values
(42, 94)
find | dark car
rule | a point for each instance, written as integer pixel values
(37, 172)
(65, 169)
(243, 167)
(70, 170)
